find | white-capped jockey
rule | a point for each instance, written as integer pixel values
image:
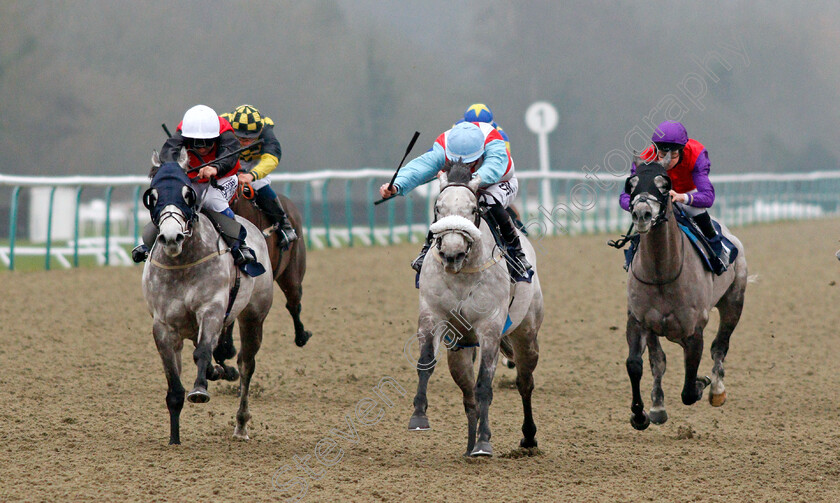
(482, 148)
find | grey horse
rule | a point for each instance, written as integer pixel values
(188, 283)
(670, 294)
(467, 303)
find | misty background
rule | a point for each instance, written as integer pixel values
(84, 86)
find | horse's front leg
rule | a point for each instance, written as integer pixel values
(484, 388)
(636, 347)
(209, 330)
(693, 351)
(169, 345)
(461, 368)
(425, 366)
(658, 415)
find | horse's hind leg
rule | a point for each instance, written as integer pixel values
(250, 333)
(657, 368)
(425, 366)
(289, 282)
(730, 307)
(636, 347)
(693, 351)
(527, 353)
(225, 350)
(169, 345)
(461, 368)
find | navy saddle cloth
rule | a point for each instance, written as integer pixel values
(701, 244)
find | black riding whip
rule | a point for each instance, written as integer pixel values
(391, 183)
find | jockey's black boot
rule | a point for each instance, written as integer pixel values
(141, 252)
(417, 264)
(720, 261)
(234, 233)
(269, 203)
(518, 266)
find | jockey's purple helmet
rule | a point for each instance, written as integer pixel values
(670, 132)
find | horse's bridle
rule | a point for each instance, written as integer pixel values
(477, 221)
(183, 221)
(663, 207)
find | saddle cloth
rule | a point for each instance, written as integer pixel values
(699, 241)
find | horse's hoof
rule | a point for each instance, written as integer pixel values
(658, 416)
(198, 395)
(706, 380)
(528, 443)
(640, 425)
(419, 423)
(300, 339)
(231, 374)
(717, 400)
(215, 373)
(238, 435)
(482, 449)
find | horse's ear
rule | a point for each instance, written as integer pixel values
(474, 183)
(183, 159)
(630, 184)
(666, 161)
(444, 179)
(155, 159)
(663, 183)
(637, 159)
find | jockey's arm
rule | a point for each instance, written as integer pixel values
(420, 170)
(271, 153)
(705, 195)
(624, 198)
(495, 163)
(227, 144)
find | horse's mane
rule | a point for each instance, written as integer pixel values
(458, 172)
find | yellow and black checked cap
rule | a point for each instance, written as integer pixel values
(246, 121)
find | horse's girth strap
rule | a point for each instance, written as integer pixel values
(191, 264)
(472, 270)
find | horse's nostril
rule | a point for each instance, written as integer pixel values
(179, 238)
(460, 256)
(648, 215)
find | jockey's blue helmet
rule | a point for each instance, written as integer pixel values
(465, 141)
(478, 112)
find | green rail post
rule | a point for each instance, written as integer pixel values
(348, 211)
(409, 210)
(76, 227)
(136, 212)
(524, 192)
(307, 213)
(108, 192)
(370, 207)
(325, 205)
(49, 229)
(391, 223)
(13, 227)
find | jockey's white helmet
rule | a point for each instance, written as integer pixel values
(200, 122)
(465, 142)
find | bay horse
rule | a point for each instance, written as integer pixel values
(193, 290)
(289, 266)
(670, 294)
(467, 303)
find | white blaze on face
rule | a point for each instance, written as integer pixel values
(172, 229)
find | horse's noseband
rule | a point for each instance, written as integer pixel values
(183, 222)
(663, 207)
